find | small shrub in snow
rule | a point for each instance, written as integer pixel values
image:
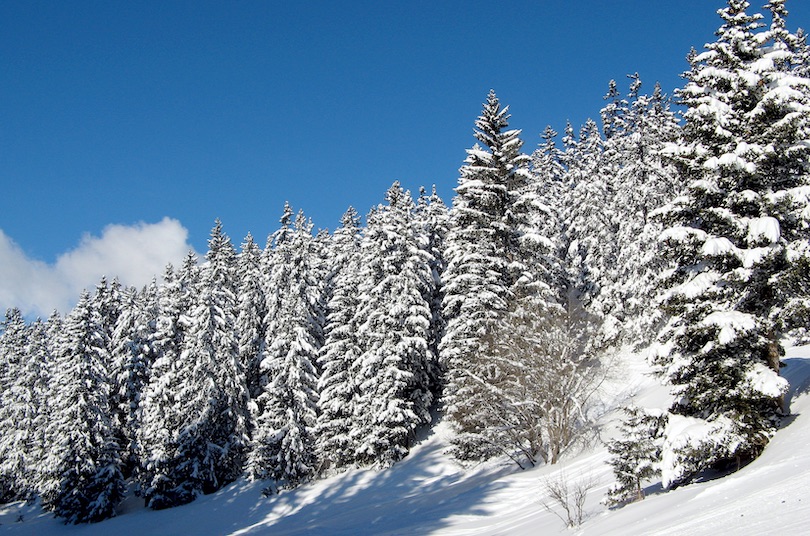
(566, 498)
(636, 454)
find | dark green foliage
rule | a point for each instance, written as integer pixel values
(735, 238)
(84, 465)
(636, 454)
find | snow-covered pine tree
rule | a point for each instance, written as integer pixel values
(635, 454)
(483, 264)
(788, 99)
(589, 225)
(163, 411)
(213, 437)
(539, 228)
(215, 325)
(321, 271)
(535, 376)
(107, 300)
(735, 239)
(44, 339)
(588, 228)
(393, 321)
(283, 444)
(614, 113)
(433, 220)
(546, 189)
(17, 406)
(83, 462)
(37, 375)
(340, 350)
(643, 182)
(251, 312)
(132, 357)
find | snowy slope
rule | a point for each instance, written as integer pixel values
(429, 493)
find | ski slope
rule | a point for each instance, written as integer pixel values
(428, 493)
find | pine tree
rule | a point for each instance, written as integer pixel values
(164, 414)
(17, 406)
(207, 420)
(545, 219)
(433, 222)
(483, 264)
(786, 106)
(590, 225)
(393, 321)
(734, 243)
(45, 342)
(37, 379)
(636, 454)
(107, 300)
(341, 348)
(283, 445)
(84, 461)
(252, 310)
(642, 182)
(545, 191)
(215, 393)
(613, 114)
(132, 358)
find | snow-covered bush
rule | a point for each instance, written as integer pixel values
(636, 454)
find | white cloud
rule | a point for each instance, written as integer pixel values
(135, 254)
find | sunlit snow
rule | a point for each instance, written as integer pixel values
(765, 227)
(429, 493)
(731, 323)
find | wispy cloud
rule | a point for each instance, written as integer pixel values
(135, 254)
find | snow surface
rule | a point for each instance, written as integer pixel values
(428, 493)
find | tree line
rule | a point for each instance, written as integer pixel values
(323, 351)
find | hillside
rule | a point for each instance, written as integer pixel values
(430, 493)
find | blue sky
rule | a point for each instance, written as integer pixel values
(125, 114)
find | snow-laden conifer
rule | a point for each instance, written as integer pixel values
(18, 405)
(341, 348)
(37, 377)
(132, 357)
(433, 223)
(738, 242)
(83, 466)
(251, 312)
(164, 413)
(589, 224)
(635, 454)
(642, 182)
(393, 321)
(483, 264)
(544, 195)
(215, 437)
(283, 444)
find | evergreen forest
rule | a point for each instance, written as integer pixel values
(678, 224)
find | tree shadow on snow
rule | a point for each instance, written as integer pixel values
(655, 488)
(797, 372)
(415, 496)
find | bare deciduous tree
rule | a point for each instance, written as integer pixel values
(540, 382)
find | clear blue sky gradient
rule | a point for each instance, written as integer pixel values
(114, 112)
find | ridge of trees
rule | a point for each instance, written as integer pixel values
(327, 351)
